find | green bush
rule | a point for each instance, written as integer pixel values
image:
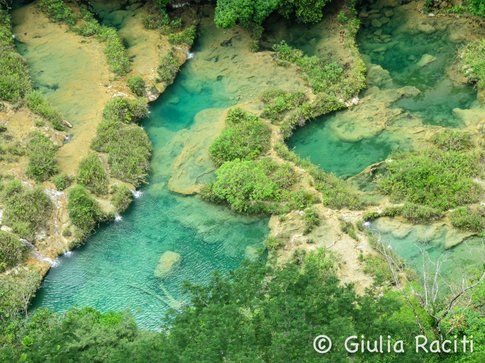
(168, 68)
(137, 85)
(278, 102)
(61, 181)
(122, 197)
(435, 178)
(256, 187)
(186, 36)
(12, 251)
(128, 148)
(348, 228)
(125, 110)
(92, 175)
(273, 243)
(26, 210)
(37, 103)
(473, 62)
(14, 77)
(84, 211)
(115, 51)
(245, 139)
(311, 220)
(42, 157)
(57, 11)
(476, 7)
(469, 219)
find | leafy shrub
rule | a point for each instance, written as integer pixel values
(42, 157)
(256, 187)
(476, 7)
(115, 51)
(273, 243)
(435, 178)
(122, 197)
(92, 175)
(61, 181)
(14, 78)
(125, 110)
(244, 186)
(57, 11)
(186, 36)
(451, 140)
(128, 148)
(278, 102)
(26, 210)
(37, 103)
(245, 139)
(12, 251)
(473, 62)
(168, 68)
(469, 219)
(311, 220)
(137, 85)
(84, 211)
(348, 228)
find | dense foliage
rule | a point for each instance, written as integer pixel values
(12, 251)
(245, 137)
(473, 61)
(258, 314)
(125, 110)
(127, 145)
(249, 13)
(469, 219)
(137, 85)
(42, 157)
(168, 68)
(436, 178)
(14, 77)
(84, 211)
(92, 175)
(121, 197)
(253, 187)
(26, 209)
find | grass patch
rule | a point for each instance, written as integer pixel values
(26, 209)
(92, 175)
(42, 157)
(435, 178)
(168, 68)
(278, 103)
(469, 219)
(472, 60)
(122, 197)
(125, 110)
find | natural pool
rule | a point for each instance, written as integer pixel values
(416, 56)
(114, 270)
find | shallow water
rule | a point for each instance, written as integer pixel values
(114, 269)
(409, 56)
(423, 247)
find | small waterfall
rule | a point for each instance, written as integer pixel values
(118, 218)
(136, 193)
(38, 255)
(68, 254)
(190, 55)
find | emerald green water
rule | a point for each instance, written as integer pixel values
(423, 248)
(114, 269)
(397, 47)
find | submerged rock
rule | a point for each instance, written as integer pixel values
(168, 261)
(425, 60)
